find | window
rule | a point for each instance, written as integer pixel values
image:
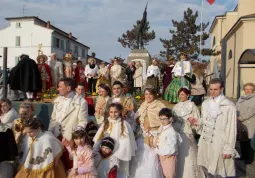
(58, 43)
(62, 44)
(230, 55)
(17, 40)
(83, 53)
(16, 60)
(18, 25)
(68, 46)
(214, 41)
(76, 52)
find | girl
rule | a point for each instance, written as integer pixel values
(42, 152)
(25, 112)
(83, 161)
(105, 162)
(9, 114)
(153, 74)
(122, 133)
(166, 143)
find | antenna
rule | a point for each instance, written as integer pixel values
(24, 9)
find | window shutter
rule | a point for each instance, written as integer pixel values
(62, 44)
(17, 40)
(16, 60)
(54, 41)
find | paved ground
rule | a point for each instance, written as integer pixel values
(242, 170)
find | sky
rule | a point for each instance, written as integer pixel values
(99, 23)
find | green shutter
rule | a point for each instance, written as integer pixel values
(62, 44)
(54, 41)
(16, 60)
(17, 40)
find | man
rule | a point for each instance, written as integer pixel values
(127, 102)
(91, 72)
(80, 91)
(56, 68)
(216, 148)
(69, 111)
(130, 74)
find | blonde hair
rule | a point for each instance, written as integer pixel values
(249, 84)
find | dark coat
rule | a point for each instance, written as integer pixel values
(8, 147)
(26, 76)
(130, 73)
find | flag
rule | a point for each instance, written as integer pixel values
(210, 1)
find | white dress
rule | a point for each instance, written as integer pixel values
(187, 158)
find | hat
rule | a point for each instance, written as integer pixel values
(108, 142)
(68, 57)
(52, 54)
(42, 56)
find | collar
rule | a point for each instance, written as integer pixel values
(165, 127)
(70, 95)
(217, 99)
(114, 121)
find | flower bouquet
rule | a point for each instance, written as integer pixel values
(139, 96)
(49, 95)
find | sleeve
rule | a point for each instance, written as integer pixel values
(9, 118)
(60, 70)
(53, 119)
(230, 133)
(192, 79)
(170, 147)
(86, 70)
(88, 162)
(149, 71)
(249, 112)
(83, 114)
(196, 114)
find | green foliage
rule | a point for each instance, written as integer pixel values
(185, 37)
(129, 39)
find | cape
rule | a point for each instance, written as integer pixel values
(26, 76)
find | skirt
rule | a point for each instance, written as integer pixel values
(153, 81)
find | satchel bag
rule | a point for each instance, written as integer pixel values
(242, 133)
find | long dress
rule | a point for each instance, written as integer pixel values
(40, 155)
(103, 77)
(138, 77)
(187, 158)
(79, 77)
(125, 145)
(180, 69)
(153, 74)
(146, 164)
(100, 109)
(167, 76)
(45, 76)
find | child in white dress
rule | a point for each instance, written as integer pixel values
(166, 143)
(120, 130)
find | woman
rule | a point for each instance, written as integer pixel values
(138, 76)
(42, 152)
(246, 117)
(105, 94)
(79, 76)
(187, 157)
(146, 163)
(103, 76)
(153, 74)
(180, 69)
(117, 72)
(91, 72)
(168, 72)
(9, 114)
(44, 68)
(197, 83)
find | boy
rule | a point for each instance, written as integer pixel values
(166, 143)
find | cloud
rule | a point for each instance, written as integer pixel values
(98, 23)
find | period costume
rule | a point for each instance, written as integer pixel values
(8, 151)
(167, 145)
(68, 65)
(79, 76)
(180, 69)
(45, 71)
(91, 72)
(138, 77)
(26, 76)
(130, 71)
(8, 118)
(246, 118)
(100, 109)
(167, 76)
(83, 161)
(153, 74)
(218, 136)
(117, 73)
(187, 158)
(103, 77)
(125, 145)
(40, 155)
(56, 68)
(146, 163)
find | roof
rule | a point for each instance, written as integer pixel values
(56, 30)
(214, 21)
(251, 16)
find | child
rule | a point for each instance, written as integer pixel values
(122, 133)
(25, 112)
(83, 160)
(105, 162)
(166, 143)
(80, 90)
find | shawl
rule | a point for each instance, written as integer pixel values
(9, 117)
(151, 111)
(125, 145)
(40, 152)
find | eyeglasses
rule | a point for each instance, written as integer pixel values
(164, 118)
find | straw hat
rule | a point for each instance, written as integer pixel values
(45, 58)
(68, 57)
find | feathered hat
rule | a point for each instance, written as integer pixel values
(45, 58)
(68, 57)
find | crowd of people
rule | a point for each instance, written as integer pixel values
(114, 137)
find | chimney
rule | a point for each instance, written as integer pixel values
(48, 24)
(70, 35)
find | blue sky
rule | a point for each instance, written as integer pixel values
(98, 23)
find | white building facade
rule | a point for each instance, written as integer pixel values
(25, 34)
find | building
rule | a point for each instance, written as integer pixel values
(24, 35)
(232, 36)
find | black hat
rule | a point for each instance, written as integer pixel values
(108, 142)
(0, 56)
